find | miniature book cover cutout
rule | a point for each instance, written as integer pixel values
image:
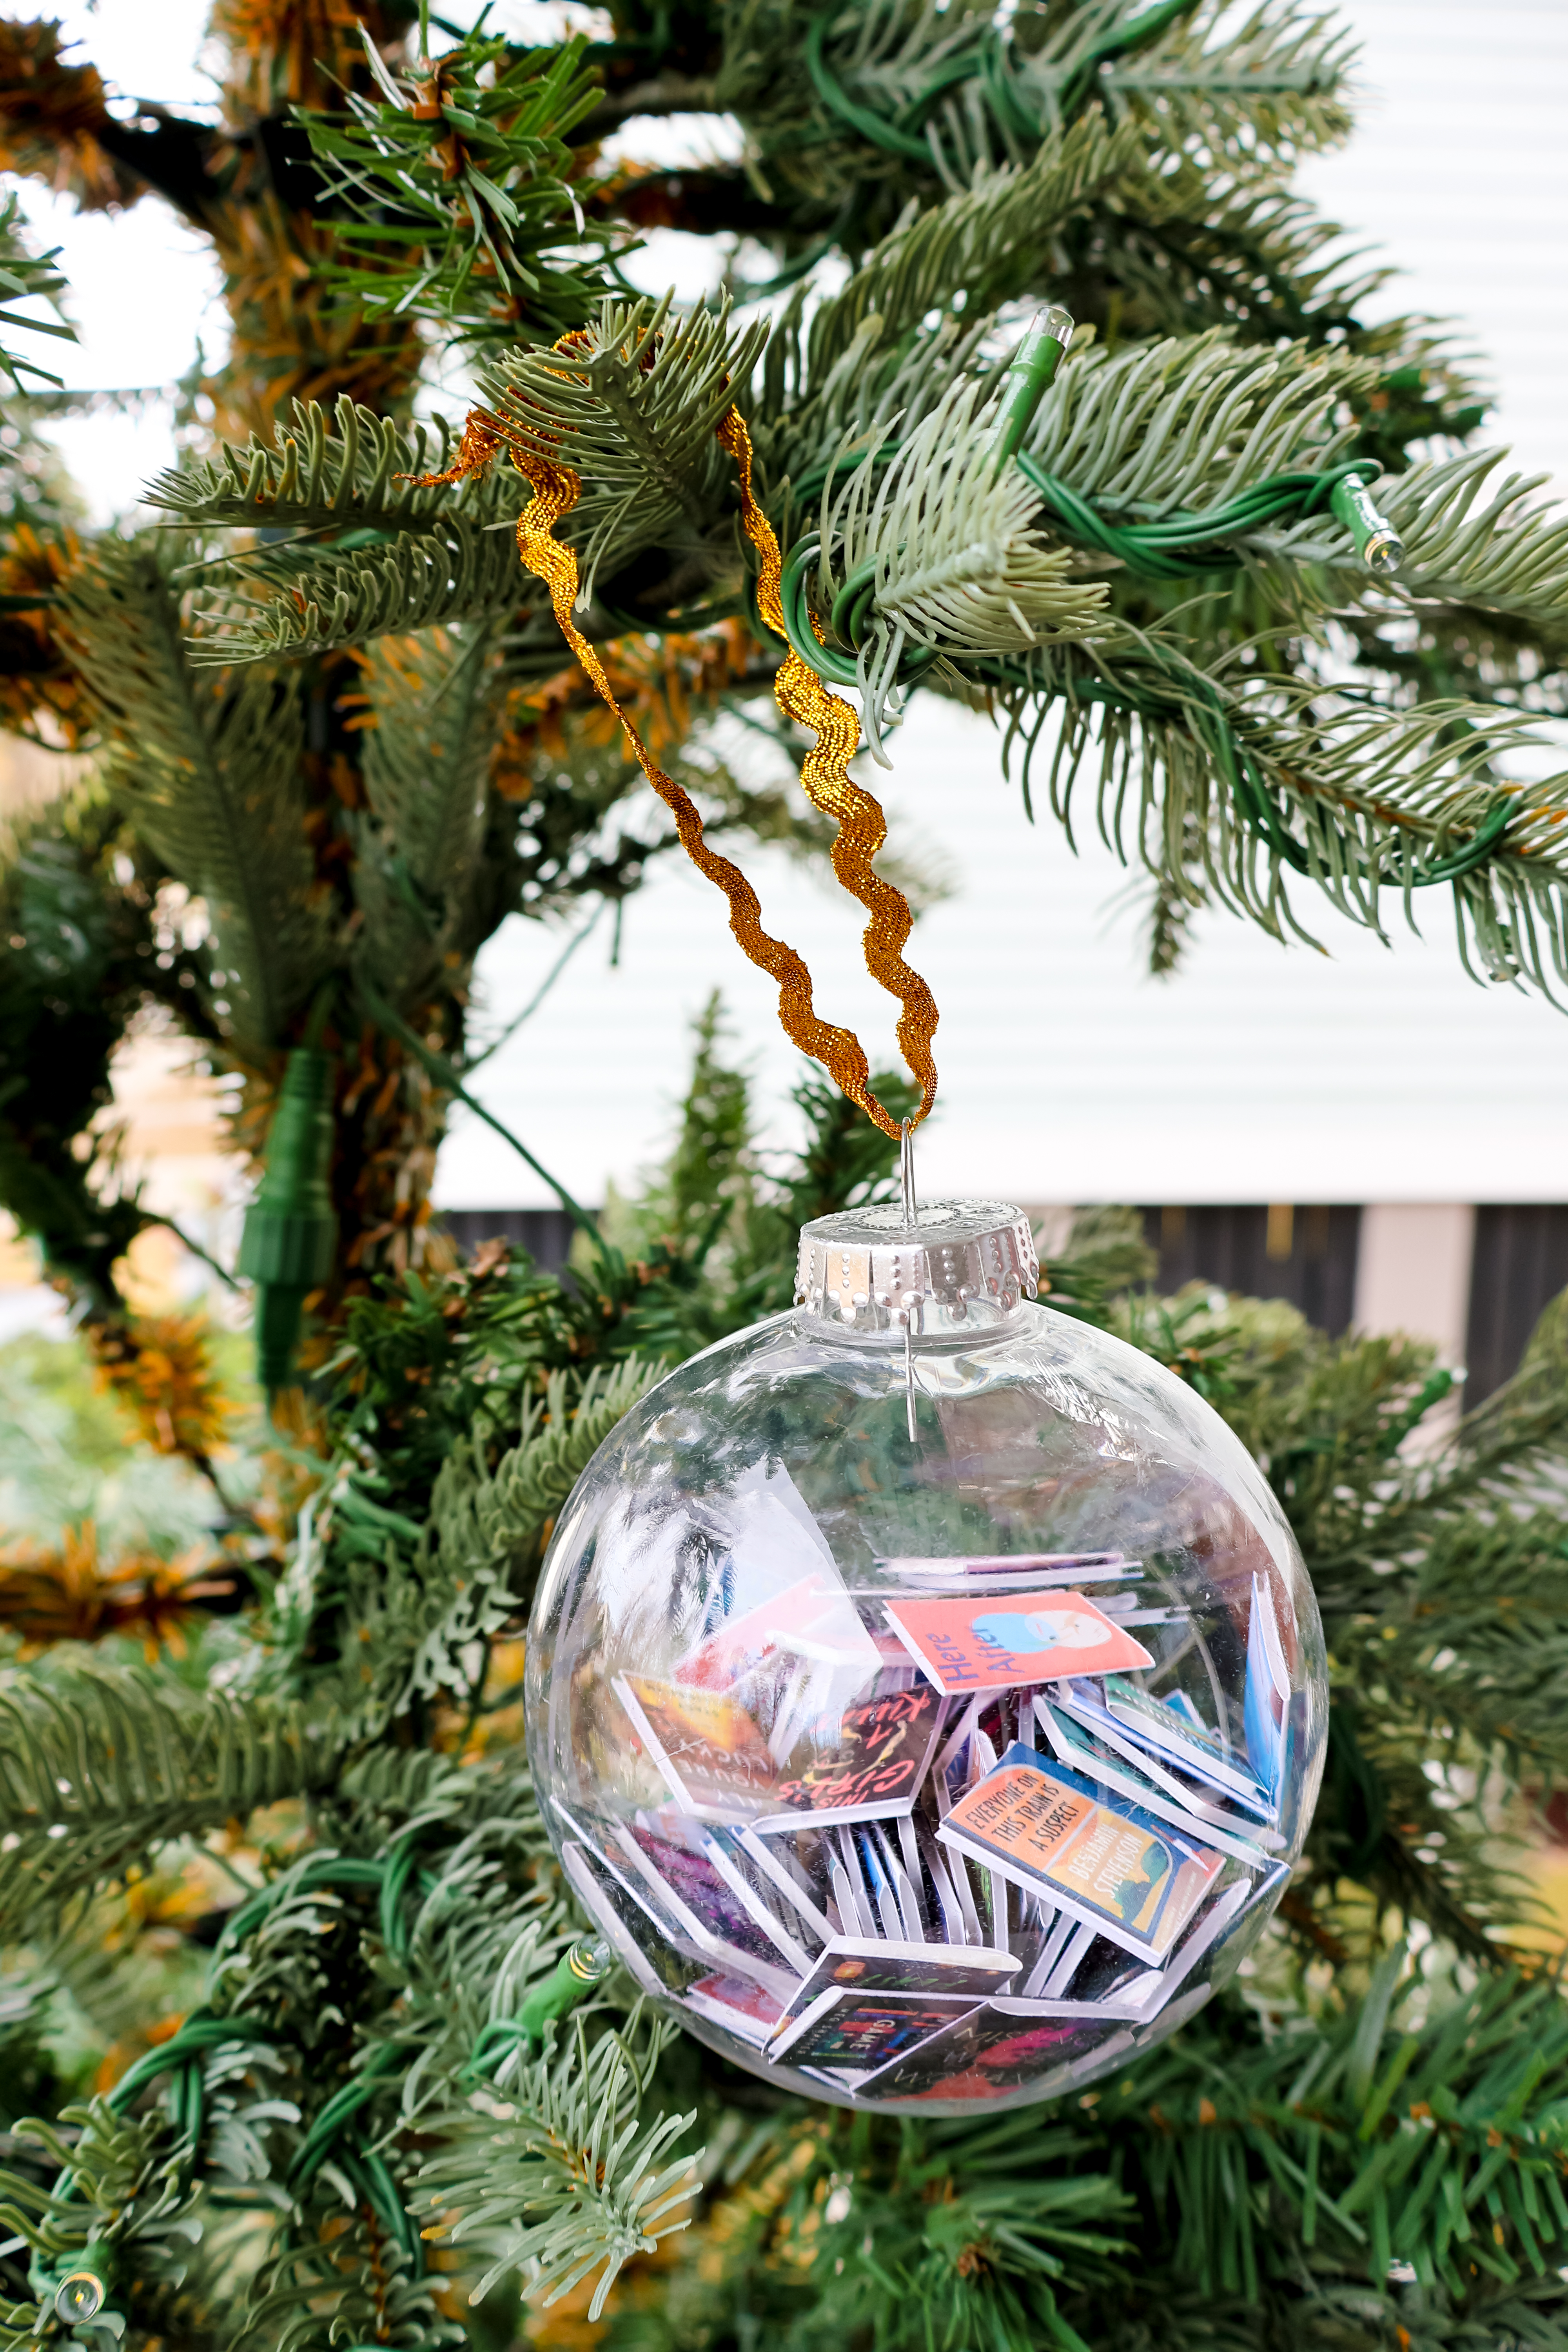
(994, 1642)
(814, 1618)
(1195, 1788)
(697, 1895)
(1073, 1747)
(705, 1744)
(741, 2007)
(981, 2056)
(1021, 1566)
(868, 1765)
(1099, 1858)
(595, 1900)
(871, 1964)
(861, 2030)
(1178, 1735)
(859, 1764)
(1267, 1712)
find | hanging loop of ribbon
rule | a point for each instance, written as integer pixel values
(803, 698)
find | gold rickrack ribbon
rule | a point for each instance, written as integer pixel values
(801, 696)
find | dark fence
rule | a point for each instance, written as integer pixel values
(1520, 1262)
(544, 1234)
(1307, 1255)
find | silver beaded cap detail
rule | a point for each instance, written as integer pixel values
(960, 1263)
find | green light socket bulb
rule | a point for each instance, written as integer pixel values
(1377, 544)
(80, 2293)
(290, 1237)
(576, 1973)
(1030, 373)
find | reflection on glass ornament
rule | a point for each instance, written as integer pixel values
(926, 1696)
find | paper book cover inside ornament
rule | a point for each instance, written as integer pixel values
(952, 1923)
(611, 1867)
(885, 1880)
(1203, 1798)
(993, 1642)
(634, 1887)
(908, 1883)
(1175, 1730)
(866, 1765)
(706, 1906)
(736, 2004)
(783, 1929)
(813, 1619)
(706, 1745)
(779, 1861)
(593, 1890)
(1093, 1969)
(1112, 1776)
(1213, 1927)
(984, 2055)
(1110, 1864)
(1027, 1570)
(1267, 1712)
(868, 1964)
(860, 2032)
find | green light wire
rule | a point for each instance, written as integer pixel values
(1180, 545)
(582, 1967)
(851, 610)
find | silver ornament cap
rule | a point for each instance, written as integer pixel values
(954, 1265)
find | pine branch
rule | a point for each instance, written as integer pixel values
(1508, 555)
(1274, 84)
(488, 1527)
(1184, 423)
(1196, 247)
(983, 242)
(504, 1514)
(944, 544)
(126, 2192)
(27, 276)
(1472, 1645)
(954, 2233)
(1274, 88)
(351, 473)
(99, 1768)
(1406, 2129)
(633, 409)
(902, 95)
(208, 769)
(79, 949)
(1274, 777)
(298, 600)
(1502, 1443)
(340, 2277)
(420, 1599)
(433, 711)
(568, 2146)
(457, 178)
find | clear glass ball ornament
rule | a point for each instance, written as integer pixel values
(927, 1698)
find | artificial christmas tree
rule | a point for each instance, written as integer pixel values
(368, 2095)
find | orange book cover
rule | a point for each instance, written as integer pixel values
(999, 1640)
(1096, 1855)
